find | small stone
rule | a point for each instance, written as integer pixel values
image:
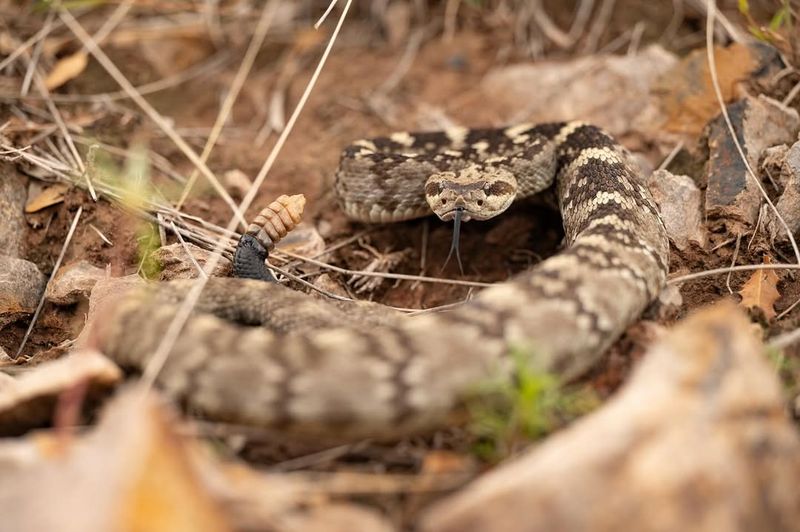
(788, 205)
(176, 263)
(678, 199)
(306, 241)
(732, 196)
(12, 203)
(74, 282)
(236, 182)
(618, 99)
(327, 283)
(29, 401)
(21, 285)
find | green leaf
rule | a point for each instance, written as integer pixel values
(744, 7)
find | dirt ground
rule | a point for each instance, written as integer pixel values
(442, 86)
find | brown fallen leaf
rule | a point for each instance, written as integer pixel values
(761, 291)
(687, 95)
(66, 69)
(50, 196)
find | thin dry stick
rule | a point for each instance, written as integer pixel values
(712, 68)
(792, 94)
(599, 27)
(149, 110)
(450, 16)
(264, 22)
(37, 52)
(733, 263)
(186, 249)
(784, 340)
(400, 276)
(722, 271)
(173, 80)
(22, 48)
(161, 353)
(671, 156)
(52, 275)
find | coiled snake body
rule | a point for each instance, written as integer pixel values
(260, 353)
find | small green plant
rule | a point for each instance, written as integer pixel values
(787, 369)
(508, 413)
(772, 33)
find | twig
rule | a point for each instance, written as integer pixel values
(600, 25)
(197, 266)
(173, 80)
(264, 22)
(37, 52)
(450, 15)
(52, 275)
(712, 68)
(784, 340)
(401, 276)
(22, 48)
(103, 237)
(671, 156)
(733, 263)
(792, 94)
(149, 110)
(722, 271)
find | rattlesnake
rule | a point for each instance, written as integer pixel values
(315, 367)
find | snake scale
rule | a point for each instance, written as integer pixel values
(262, 354)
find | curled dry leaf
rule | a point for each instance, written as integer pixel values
(761, 291)
(50, 196)
(66, 69)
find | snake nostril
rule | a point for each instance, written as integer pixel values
(480, 203)
(444, 202)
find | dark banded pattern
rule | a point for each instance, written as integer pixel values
(323, 369)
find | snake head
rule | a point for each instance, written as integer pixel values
(478, 192)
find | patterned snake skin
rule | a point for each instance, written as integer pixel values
(259, 353)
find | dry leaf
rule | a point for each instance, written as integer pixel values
(761, 291)
(66, 69)
(47, 197)
(29, 400)
(687, 95)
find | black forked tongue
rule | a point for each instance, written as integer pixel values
(454, 243)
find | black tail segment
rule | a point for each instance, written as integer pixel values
(248, 260)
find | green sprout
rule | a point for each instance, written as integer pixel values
(507, 414)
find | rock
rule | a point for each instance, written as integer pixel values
(73, 282)
(697, 440)
(788, 204)
(12, 202)
(176, 263)
(105, 292)
(732, 196)
(236, 182)
(619, 96)
(21, 285)
(686, 97)
(678, 199)
(29, 401)
(306, 241)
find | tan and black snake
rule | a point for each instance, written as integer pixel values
(260, 353)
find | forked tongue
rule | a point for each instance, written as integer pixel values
(454, 243)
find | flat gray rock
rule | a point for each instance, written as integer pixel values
(21, 285)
